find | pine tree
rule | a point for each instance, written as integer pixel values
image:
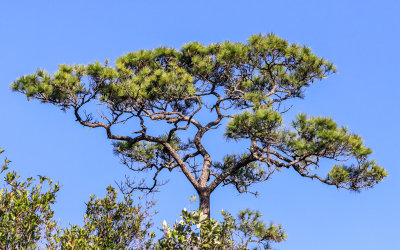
(189, 92)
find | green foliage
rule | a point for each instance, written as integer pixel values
(317, 134)
(147, 152)
(318, 137)
(26, 215)
(157, 74)
(262, 123)
(366, 175)
(173, 90)
(26, 222)
(145, 76)
(109, 224)
(26, 218)
(252, 230)
(196, 231)
(244, 177)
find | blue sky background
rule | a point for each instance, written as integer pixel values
(361, 37)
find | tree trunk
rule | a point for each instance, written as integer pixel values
(205, 201)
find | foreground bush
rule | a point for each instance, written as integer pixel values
(196, 231)
(26, 222)
(26, 216)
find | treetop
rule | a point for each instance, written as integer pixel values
(245, 83)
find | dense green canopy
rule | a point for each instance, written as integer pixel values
(247, 83)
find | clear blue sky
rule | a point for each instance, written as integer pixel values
(361, 37)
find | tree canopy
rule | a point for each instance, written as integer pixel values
(194, 90)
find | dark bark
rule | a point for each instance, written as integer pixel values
(204, 195)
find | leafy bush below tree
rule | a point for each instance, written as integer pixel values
(26, 222)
